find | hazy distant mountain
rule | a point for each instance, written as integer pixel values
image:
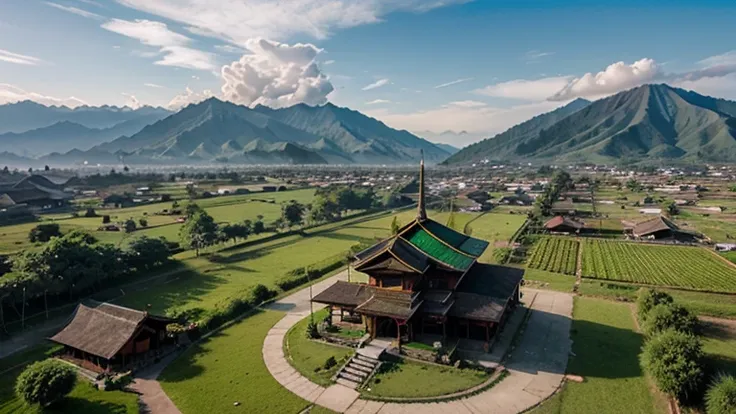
(65, 135)
(451, 140)
(651, 122)
(223, 131)
(363, 139)
(27, 115)
(489, 148)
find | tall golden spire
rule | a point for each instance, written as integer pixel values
(421, 210)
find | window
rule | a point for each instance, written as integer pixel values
(391, 282)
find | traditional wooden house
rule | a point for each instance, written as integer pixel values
(35, 192)
(662, 228)
(108, 337)
(561, 224)
(427, 280)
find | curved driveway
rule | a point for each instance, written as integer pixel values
(536, 367)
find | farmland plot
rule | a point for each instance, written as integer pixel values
(555, 254)
(677, 266)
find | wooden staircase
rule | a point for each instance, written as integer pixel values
(357, 371)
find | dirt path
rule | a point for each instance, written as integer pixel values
(578, 266)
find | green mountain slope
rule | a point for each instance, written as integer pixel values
(501, 146)
(651, 122)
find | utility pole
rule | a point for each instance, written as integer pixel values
(311, 304)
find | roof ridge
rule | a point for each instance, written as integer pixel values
(117, 317)
(433, 258)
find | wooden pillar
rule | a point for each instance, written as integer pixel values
(488, 332)
(444, 330)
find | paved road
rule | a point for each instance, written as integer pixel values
(536, 367)
(151, 396)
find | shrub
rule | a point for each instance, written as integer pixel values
(90, 212)
(45, 382)
(261, 294)
(44, 232)
(673, 359)
(119, 383)
(669, 316)
(329, 363)
(129, 226)
(312, 332)
(143, 222)
(649, 298)
(721, 396)
(106, 219)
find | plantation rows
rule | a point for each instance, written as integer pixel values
(687, 267)
(555, 254)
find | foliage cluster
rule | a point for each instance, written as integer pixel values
(45, 382)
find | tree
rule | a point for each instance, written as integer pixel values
(674, 360)
(672, 208)
(395, 226)
(649, 298)
(143, 222)
(90, 212)
(126, 169)
(235, 231)
(147, 253)
(44, 232)
(191, 209)
(199, 231)
(721, 396)
(258, 227)
(105, 219)
(293, 213)
(129, 225)
(45, 382)
(633, 185)
(669, 316)
(46, 168)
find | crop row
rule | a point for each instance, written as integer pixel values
(679, 266)
(555, 254)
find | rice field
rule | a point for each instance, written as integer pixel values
(675, 266)
(555, 254)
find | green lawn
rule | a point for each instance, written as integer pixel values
(308, 356)
(236, 208)
(719, 344)
(700, 303)
(606, 348)
(414, 379)
(495, 227)
(83, 399)
(539, 279)
(228, 368)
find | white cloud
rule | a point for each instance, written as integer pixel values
(728, 58)
(153, 85)
(10, 57)
(188, 97)
(229, 49)
(131, 101)
(92, 3)
(476, 120)
(328, 62)
(468, 104)
(11, 94)
(172, 45)
(615, 78)
(237, 21)
(531, 90)
(75, 10)
(378, 102)
(277, 75)
(536, 55)
(376, 84)
(721, 87)
(455, 82)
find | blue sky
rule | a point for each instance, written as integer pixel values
(479, 66)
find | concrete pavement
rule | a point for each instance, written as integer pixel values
(536, 367)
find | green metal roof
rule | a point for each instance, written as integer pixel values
(437, 250)
(466, 244)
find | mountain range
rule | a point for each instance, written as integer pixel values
(218, 131)
(650, 122)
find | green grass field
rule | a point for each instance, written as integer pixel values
(227, 368)
(235, 208)
(495, 228)
(536, 278)
(675, 266)
(414, 379)
(606, 348)
(555, 254)
(308, 356)
(83, 399)
(719, 344)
